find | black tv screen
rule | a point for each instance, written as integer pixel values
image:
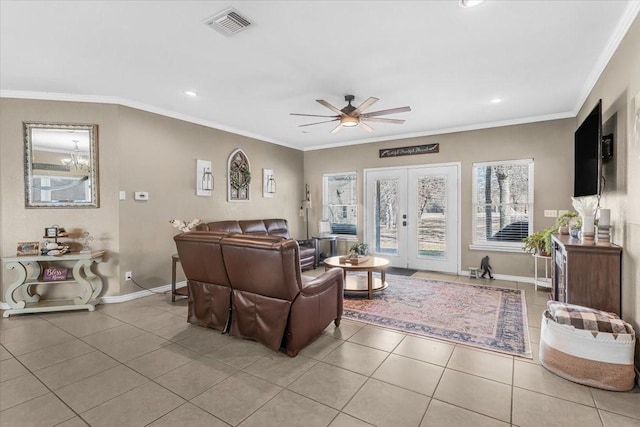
(588, 154)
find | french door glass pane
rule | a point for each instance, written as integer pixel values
(432, 212)
(386, 210)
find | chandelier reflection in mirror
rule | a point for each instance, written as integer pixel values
(77, 161)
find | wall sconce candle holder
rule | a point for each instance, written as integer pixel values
(269, 185)
(204, 178)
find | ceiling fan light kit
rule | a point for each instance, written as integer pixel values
(351, 116)
(349, 121)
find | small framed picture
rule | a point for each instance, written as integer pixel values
(51, 231)
(28, 248)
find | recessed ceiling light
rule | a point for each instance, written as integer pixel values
(190, 93)
(496, 100)
(469, 3)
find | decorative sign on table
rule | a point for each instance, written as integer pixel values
(54, 274)
(410, 151)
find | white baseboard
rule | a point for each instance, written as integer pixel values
(507, 277)
(113, 299)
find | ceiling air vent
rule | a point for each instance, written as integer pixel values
(228, 22)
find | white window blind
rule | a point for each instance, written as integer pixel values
(502, 203)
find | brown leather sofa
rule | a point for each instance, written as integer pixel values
(267, 227)
(252, 286)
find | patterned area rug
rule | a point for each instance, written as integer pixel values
(481, 316)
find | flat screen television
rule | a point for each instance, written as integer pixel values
(588, 154)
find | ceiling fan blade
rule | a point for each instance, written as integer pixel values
(382, 120)
(366, 127)
(389, 111)
(317, 123)
(329, 106)
(366, 104)
(310, 115)
(337, 128)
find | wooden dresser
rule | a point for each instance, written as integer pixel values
(587, 275)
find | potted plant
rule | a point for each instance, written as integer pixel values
(534, 243)
(546, 234)
(574, 228)
(360, 249)
(357, 254)
(564, 220)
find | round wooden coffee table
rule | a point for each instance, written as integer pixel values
(358, 283)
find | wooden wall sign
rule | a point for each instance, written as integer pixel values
(410, 151)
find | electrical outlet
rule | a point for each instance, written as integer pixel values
(127, 275)
(550, 213)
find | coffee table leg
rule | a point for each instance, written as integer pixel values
(383, 276)
(370, 283)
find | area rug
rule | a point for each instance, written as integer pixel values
(481, 316)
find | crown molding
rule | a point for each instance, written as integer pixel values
(443, 131)
(54, 96)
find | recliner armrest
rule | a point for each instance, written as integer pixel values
(323, 282)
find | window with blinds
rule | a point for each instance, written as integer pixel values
(340, 202)
(502, 203)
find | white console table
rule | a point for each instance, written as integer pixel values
(30, 269)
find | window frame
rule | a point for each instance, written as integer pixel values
(497, 245)
(325, 201)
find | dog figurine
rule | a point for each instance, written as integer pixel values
(486, 268)
(184, 226)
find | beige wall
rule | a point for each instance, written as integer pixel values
(619, 89)
(20, 224)
(140, 151)
(549, 143)
(158, 155)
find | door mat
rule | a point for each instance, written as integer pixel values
(401, 271)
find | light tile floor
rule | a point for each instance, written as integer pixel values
(140, 364)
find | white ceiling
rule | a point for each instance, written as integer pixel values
(447, 63)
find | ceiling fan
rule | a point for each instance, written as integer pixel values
(351, 116)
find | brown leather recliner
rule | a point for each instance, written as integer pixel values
(269, 227)
(209, 287)
(262, 276)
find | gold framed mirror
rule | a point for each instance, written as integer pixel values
(60, 165)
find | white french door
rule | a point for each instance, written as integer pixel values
(412, 216)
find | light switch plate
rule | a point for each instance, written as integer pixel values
(123, 195)
(550, 213)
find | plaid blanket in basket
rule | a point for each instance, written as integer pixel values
(587, 318)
